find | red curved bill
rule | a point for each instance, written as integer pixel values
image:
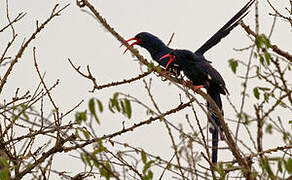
(136, 42)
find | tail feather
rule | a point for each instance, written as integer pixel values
(215, 95)
(225, 30)
(215, 140)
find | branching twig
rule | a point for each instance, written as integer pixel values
(98, 87)
(24, 46)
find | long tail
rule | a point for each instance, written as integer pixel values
(225, 30)
(215, 95)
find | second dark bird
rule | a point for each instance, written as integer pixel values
(202, 74)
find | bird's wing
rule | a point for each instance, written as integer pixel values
(211, 73)
(225, 30)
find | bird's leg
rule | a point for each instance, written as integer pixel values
(189, 83)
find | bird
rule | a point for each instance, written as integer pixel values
(202, 75)
(157, 48)
(194, 65)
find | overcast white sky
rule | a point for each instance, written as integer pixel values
(78, 36)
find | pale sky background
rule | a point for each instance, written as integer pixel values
(78, 36)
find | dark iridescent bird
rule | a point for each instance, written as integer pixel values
(194, 65)
(201, 74)
(157, 48)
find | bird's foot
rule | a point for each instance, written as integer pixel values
(195, 88)
(166, 73)
(169, 73)
(187, 83)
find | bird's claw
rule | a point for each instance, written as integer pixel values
(195, 88)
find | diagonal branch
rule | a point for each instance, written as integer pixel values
(17, 18)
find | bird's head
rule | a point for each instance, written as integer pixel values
(145, 40)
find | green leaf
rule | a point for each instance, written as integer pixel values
(266, 97)
(168, 166)
(149, 112)
(266, 41)
(262, 60)
(220, 169)
(4, 174)
(246, 119)
(91, 105)
(87, 160)
(116, 95)
(128, 108)
(280, 166)
(4, 162)
(288, 165)
(150, 174)
(77, 134)
(259, 41)
(256, 93)
(100, 148)
(115, 104)
(106, 172)
(258, 72)
(83, 158)
(143, 157)
(100, 106)
(285, 136)
(80, 116)
(267, 168)
(159, 70)
(147, 166)
(110, 107)
(255, 54)
(269, 129)
(268, 57)
(85, 133)
(150, 67)
(233, 64)
(123, 107)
